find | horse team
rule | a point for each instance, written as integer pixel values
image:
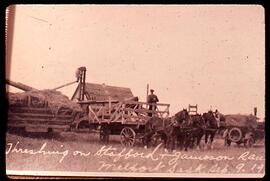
(182, 130)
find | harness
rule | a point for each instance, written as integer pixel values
(173, 122)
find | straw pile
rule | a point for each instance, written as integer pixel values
(55, 99)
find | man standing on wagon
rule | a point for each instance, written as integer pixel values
(152, 99)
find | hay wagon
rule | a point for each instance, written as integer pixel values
(112, 110)
(242, 129)
(124, 118)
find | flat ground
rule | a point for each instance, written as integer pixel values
(82, 152)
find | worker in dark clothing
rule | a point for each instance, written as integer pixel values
(78, 74)
(217, 114)
(152, 99)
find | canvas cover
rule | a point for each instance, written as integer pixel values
(241, 120)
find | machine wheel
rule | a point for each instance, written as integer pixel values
(127, 136)
(235, 134)
(104, 134)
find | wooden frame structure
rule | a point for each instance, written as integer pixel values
(126, 112)
(124, 118)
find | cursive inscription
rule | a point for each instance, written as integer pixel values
(119, 159)
(42, 151)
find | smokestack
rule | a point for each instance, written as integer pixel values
(255, 111)
(147, 91)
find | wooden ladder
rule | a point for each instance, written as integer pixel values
(193, 109)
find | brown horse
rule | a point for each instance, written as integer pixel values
(166, 129)
(198, 130)
(212, 126)
(191, 133)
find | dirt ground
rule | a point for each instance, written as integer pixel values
(82, 152)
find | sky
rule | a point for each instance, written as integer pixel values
(212, 56)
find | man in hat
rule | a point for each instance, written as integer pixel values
(217, 115)
(152, 99)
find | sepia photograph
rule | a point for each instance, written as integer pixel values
(169, 91)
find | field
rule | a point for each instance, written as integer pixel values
(82, 152)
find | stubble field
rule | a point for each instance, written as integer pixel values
(82, 152)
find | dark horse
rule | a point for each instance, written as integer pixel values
(212, 126)
(198, 130)
(167, 129)
(192, 132)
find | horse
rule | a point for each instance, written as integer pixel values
(212, 125)
(198, 130)
(167, 129)
(191, 132)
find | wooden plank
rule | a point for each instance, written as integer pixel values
(143, 110)
(39, 121)
(134, 123)
(145, 103)
(95, 115)
(96, 102)
(123, 102)
(20, 85)
(127, 118)
(28, 109)
(40, 126)
(41, 115)
(43, 112)
(36, 129)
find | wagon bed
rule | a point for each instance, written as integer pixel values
(124, 118)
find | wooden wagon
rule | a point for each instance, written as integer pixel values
(124, 118)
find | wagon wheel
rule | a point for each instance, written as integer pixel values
(235, 135)
(104, 134)
(127, 136)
